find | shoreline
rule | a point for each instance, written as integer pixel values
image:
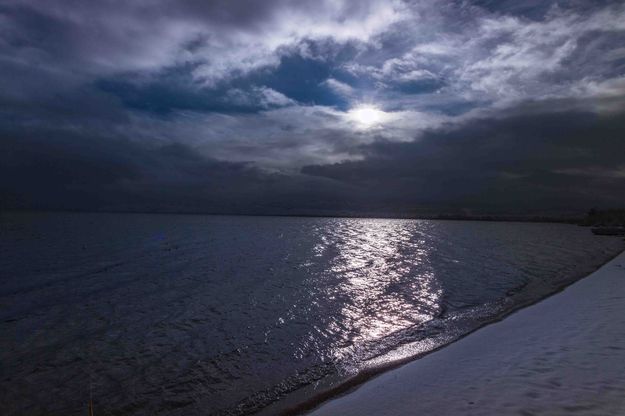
(529, 218)
(305, 401)
(444, 371)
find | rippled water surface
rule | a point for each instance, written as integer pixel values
(179, 315)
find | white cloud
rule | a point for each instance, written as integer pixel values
(408, 68)
(221, 39)
(511, 58)
(241, 52)
(340, 88)
(498, 59)
(262, 96)
(285, 138)
(270, 98)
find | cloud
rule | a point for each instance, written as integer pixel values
(393, 51)
(340, 88)
(538, 156)
(548, 155)
(398, 73)
(55, 170)
(167, 95)
(220, 38)
(526, 55)
(493, 57)
(258, 97)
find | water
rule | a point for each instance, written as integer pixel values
(186, 315)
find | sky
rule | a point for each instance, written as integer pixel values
(320, 106)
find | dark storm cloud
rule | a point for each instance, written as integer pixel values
(550, 155)
(58, 170)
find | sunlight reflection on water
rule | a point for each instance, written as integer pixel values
(373, 265)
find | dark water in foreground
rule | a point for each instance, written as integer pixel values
(196, 315)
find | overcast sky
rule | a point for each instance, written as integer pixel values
(312, 106)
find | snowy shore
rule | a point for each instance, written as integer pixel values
(564, 355)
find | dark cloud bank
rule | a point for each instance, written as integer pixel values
(519, 161)
(204, 107)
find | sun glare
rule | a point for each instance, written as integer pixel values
(367, 116)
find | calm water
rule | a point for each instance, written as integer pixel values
(196, 315)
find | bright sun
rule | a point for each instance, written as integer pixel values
(367, 116)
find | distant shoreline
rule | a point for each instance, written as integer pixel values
(444, 217)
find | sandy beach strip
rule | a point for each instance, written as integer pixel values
(562, 356)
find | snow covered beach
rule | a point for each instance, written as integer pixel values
(564, 355)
